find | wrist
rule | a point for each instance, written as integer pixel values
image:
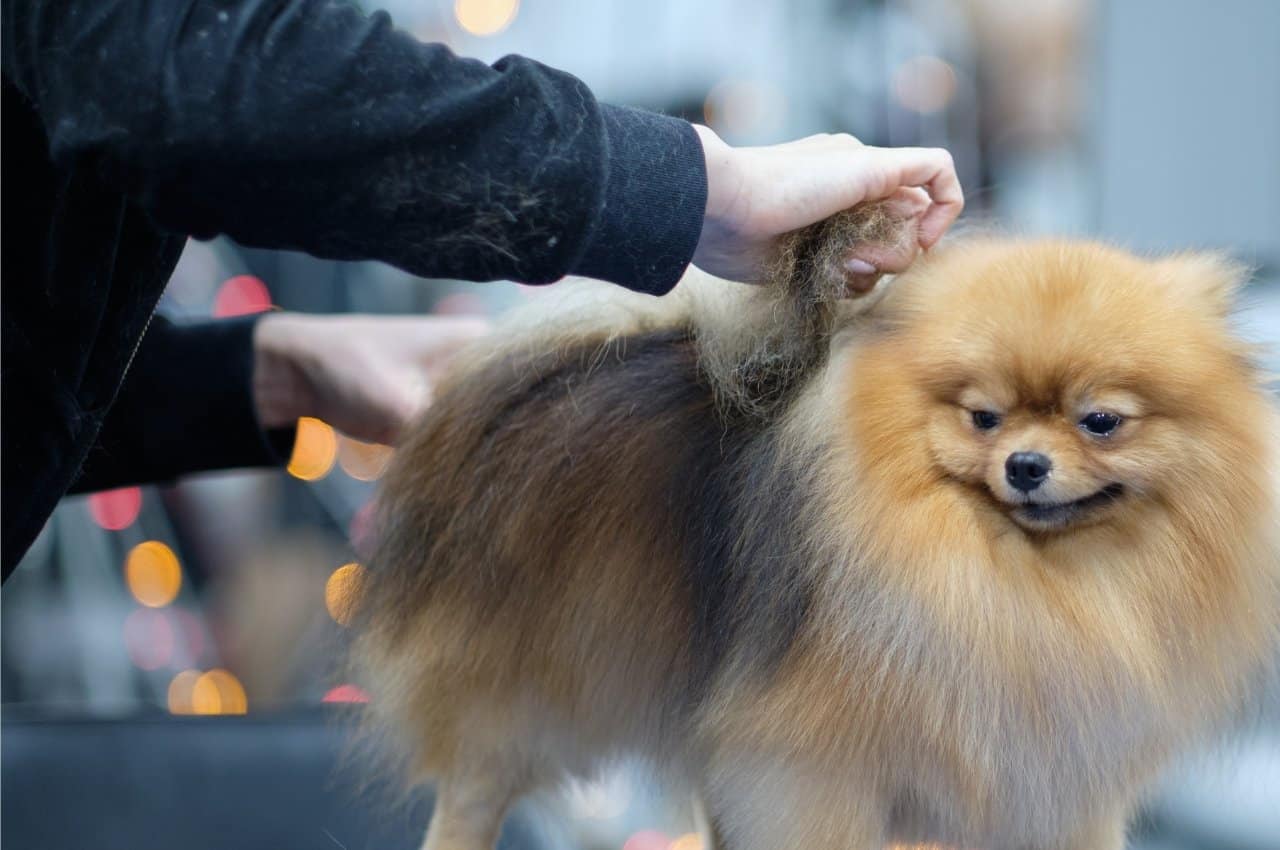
(278, 359)
(724, 182)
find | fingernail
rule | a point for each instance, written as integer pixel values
(859, 266)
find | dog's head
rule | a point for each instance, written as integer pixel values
(1063, 385)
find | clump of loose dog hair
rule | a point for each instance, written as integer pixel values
(755, 358)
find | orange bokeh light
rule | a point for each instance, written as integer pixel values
(647, 839)
(149, 638)
(314, 450)
(485, 17)
(218, 692)
(688, 841)
(153, 574)
(340, 592)
(363, 461)
(181, 690)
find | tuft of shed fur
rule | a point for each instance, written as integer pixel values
(780, 331)
(755, 344)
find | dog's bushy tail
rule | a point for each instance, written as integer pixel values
(757, 354)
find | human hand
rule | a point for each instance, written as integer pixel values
(367, 376)
(754, 195)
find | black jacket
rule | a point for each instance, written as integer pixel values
(300, 124)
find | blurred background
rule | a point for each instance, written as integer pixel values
(141, 613)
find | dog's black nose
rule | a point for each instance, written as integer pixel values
(1027, 470)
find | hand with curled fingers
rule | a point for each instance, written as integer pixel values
(757, 194)
(367, 376)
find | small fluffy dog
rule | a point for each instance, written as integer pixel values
(966, 559)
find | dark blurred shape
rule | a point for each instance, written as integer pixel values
(277, 781)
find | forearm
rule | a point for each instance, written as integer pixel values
(304, 124)
(186, 406)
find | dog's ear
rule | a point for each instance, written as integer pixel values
(1210, 277)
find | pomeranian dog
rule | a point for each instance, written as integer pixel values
(966, 560)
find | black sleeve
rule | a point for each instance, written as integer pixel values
(305, 124)
(186, 406)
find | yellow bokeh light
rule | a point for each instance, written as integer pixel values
(485, 17)
(152, 572)
(340, 592)
(314, 449)
(688, 841)
(181, 691)
(218, 692)
(362, 461)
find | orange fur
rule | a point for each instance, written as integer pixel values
(839, 622)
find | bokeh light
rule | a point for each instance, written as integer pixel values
(218, 692)
(149, 638)
(241, 295)
(189, 631)
(745, 108)
(460, 304)
(485, 17)
(341, 590)
(924, 84)
(116, 510)
(360, 530)
(181, 690)
(314, 450)
(345, 693)
(647, 839)
(153, 574)
(363, 461)
(688, 841)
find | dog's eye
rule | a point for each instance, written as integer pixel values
(985, 420)
(1100, 424)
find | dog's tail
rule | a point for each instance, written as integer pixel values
(755, 343)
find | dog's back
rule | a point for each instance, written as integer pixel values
(554, 577)
(530, 507)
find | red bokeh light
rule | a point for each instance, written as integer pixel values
(460, 304)
(360, 530)
(190, 631)
(116, 510)
(149, 638)
(240, 296)
(345, 693)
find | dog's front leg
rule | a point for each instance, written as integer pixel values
(1105, 833)
(752, 806)
(469, 810)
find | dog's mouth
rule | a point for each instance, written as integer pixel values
(1046, 516)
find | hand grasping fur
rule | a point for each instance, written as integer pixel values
(784, 325)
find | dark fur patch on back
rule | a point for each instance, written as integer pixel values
(548, 439)
(735, 505)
